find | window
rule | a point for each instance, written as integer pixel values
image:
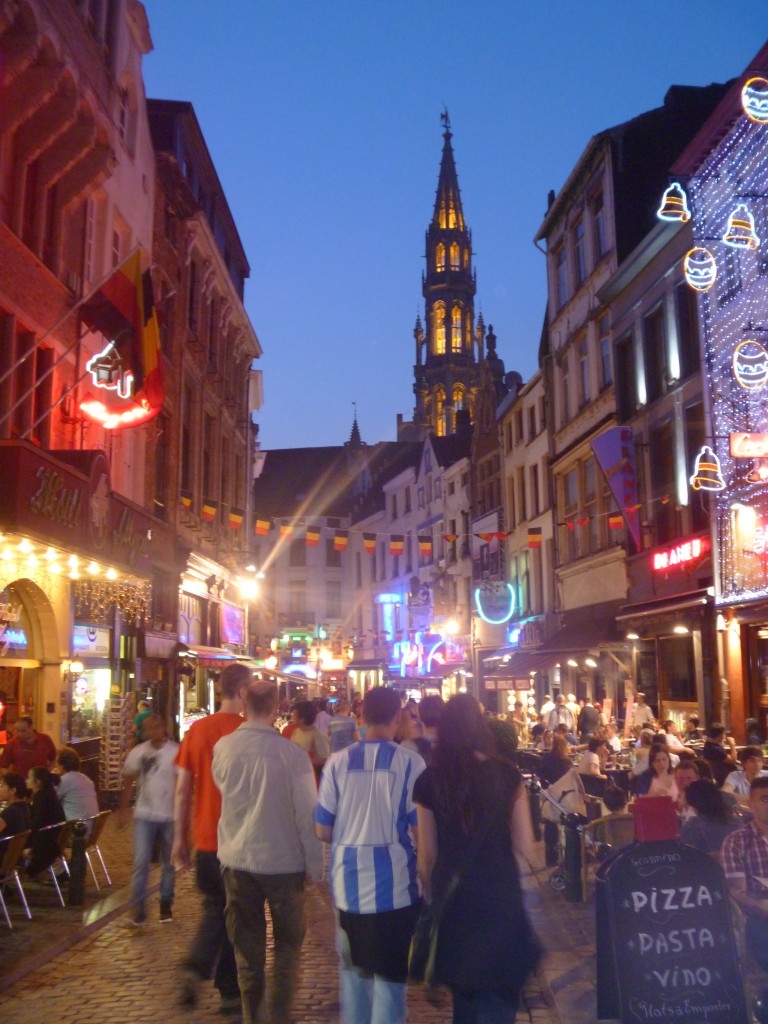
(422, 503)
(408, 550)
(458, 397)
(662, 464)
(456, 329)
(583, 371)
(565, 392)
(332, 556)
(532, 423)
(598, 224)
(626, 377)
(297, 553)
(561, 275)
(213, 325)
(655, 361)
(394, 506)
(209, 442)
(187, 412)
(439, 324)
(297, 597)
(451, 488)
(192, 295)
(695, 437)
(688, 343)
(513, 518)
(522, 510)
(407, 500)
(358, 569)
(604, 336)
(455, 256)
(26, 396)
(440, 258)
(570, 499)
(333, 599)
(440, 425)
(590, 538)
(580, 252)
(534, 490)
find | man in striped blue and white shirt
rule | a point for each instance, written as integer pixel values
(366, 812)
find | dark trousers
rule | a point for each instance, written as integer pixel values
(482, 1008)
(211, 947)
(756, 935)
(247, 929)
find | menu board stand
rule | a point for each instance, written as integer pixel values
(665, 944)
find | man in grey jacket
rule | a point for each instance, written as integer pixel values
(267, 849)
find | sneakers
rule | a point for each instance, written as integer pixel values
(188, 983)
(132, 922)
(166, 913)
(230, 1005)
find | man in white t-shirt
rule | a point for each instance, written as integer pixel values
(150, 769)
(642, 715)
(672, 736)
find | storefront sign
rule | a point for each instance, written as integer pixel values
(91, 641)
(680, 554)
(749, 446)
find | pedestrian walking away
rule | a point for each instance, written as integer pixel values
(150, 769)
(267, 849)
(197, 811)
(366, 812)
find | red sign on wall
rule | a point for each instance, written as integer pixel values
(679, 554)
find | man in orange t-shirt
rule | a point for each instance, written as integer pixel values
(211, 949)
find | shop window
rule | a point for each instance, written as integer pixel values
(297, 555)
(677, 669)
(332, 556)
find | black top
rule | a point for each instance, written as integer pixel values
(717, 756)
(17, 818)
(485, 941)
(589, 719)
(553, 767)
(46, 810)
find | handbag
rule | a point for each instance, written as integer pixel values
(423, 949)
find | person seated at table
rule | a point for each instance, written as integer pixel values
(754, 736)
(46, 810)
(570, 736)
(719, 753)
(712, 820)
(16, 815)
(593, 760)
(612, 738)
(643, 748)
(738, 782)
(685, 773)
(76, 791)
(693, 734)
(658, 779)
(671, 735)
(617, 828)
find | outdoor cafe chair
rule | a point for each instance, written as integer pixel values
(9, 870)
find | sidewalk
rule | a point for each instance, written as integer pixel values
(78, 967)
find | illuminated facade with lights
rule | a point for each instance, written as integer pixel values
(726, 174)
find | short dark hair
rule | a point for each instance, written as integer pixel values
(381, 705)
(761, 782)
(689, 762)
(747, 752)
(26, 719)
(233, 679)
(306, 712)
(69, 759)
(431, 710)
(614, 797)
(693, 720)
(261, 698)
(716, 730)
(17, 783)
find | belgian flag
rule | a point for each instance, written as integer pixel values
(123, 310)
(261, 527)
(369, 543)
(286, 531)
(312, 536)
(425, 546)
(534, 536)
(185, 500)
(340, 540)
(236, 516)
(396, 544)
(209, 510)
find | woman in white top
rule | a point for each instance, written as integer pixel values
(592, 761)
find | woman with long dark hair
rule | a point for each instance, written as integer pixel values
(473, 819)
(712, 819)
(46, 810)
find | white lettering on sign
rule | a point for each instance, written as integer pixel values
(685, 897)
(678, 940)
(749, 446)
(688, 551)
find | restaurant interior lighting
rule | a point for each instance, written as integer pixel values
(572, 663)
(681, 629)
(633, 636)
(591, 662)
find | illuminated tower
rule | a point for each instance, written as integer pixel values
(445, 374)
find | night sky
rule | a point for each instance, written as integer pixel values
(323, 120)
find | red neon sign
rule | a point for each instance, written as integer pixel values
(680, 554)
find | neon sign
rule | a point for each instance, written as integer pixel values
(707, 475)
(754, 100)
(505, 615)
(749, 446)
(111, 419)
(750, 365)
(680, 554)
(700, 268)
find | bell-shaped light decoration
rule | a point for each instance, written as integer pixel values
(707, 475)
(674, 204)
(741, 229)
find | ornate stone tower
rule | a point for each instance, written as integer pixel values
(446, 370)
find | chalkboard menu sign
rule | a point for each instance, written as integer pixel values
(669, 945)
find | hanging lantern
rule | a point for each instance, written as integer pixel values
(741, 229)
(674, 204)
(754, 99)
(707, 475)
(700, 269)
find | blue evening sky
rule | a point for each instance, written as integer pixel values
(323, 121)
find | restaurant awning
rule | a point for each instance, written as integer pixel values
(585, 630)
(207, 657)
(665, 605)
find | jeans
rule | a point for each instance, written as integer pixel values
(211, 946)
(367, 998)
(482, 1008)
(247, 930)
(145, 835)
